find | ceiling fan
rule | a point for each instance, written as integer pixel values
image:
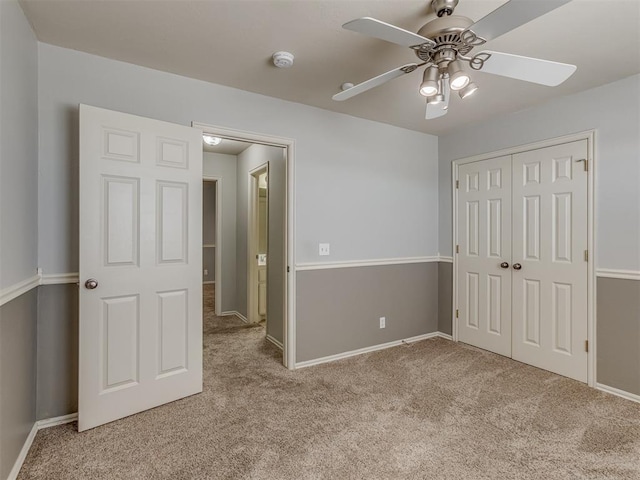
(444, 45)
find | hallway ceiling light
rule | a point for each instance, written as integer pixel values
(211, 140)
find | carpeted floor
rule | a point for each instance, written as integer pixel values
(432, 410)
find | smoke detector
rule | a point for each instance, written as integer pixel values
(282, 59)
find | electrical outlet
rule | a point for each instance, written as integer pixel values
(206, 272)
(383, 322)
(323, 249)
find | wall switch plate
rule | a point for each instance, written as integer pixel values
(324, 249)
(206, 272)
(383, 322)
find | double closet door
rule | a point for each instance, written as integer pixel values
(522, 257)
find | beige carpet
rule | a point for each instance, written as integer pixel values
(432, 410)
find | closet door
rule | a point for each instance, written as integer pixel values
(484, 258)
(549, 269)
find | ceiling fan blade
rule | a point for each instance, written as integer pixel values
(511, 15)
(535, 70)
(385, 31)
(374, 82)
(439, 109)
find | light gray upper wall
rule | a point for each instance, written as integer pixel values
(614, 111)
(252, 157)
(224, 167)
(369, 189)
(18, 146)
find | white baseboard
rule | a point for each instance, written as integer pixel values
(39, 425)
(446, 336)
(619, 393)
(237, 314)
(360, 351)
(277, 343)
(13, 474)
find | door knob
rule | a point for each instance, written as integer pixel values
(91, 284)
(504, 265)
(517, 266)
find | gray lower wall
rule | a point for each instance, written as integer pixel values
(618, 334)
(445, 297)
(57, 350)
(17, 376)
(338, 310)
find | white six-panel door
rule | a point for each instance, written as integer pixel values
(140, 239)
(527, 211)
(484, 238)
(549, 242)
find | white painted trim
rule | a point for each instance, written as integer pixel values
(59, 278)
(446, 336)
(621, 274)
(234, 312)
(13, 474)
(289, 323)
(55, 421)
(445, 259)
(277, 343)
(619, 393)
(14, 291)
(365, 263)
(360, 351)
(38, 425)
(253, 199)
(589, 136)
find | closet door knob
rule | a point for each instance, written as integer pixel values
(504, 265)
(517, 266)
(91, 284)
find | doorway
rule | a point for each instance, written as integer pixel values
(523, 273)
(253, 249)
(258, 241)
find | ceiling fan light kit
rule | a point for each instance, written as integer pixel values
(430, 81)
(444, 43)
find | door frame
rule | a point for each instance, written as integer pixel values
(288, 144)
(218, 240)
(589, 136)
(252, 243)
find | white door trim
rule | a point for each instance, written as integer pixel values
(218, 248)
(289, 330)
(589, 136)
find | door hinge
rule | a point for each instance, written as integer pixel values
(586, 346)
(585, 163)
(586, 255)
(457, 248)
(287, 268)
(457, 183)
(457, 313)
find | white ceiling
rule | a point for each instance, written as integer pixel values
(230, 42)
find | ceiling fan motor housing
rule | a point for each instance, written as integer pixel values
(446, 33)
